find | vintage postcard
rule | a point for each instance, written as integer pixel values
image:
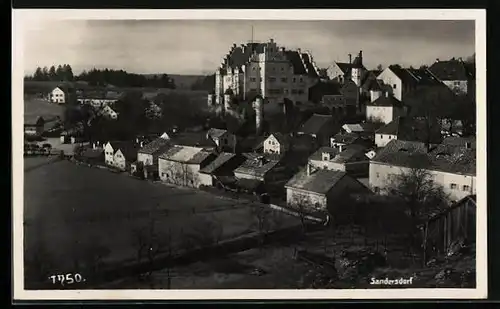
(249, 154)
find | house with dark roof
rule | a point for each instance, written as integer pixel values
(224, 139)
(220, 169)
(451, 166)
(63, 93)
(276, 143)
(120, 154)
(344, 71)
(400, 81)
(34, 125)
(257, 167)
(350, 159)
(454, 73)
(384, 109)
(148, 154)
(181, 165)
(248, 67)
(319, 189)
(319, 127)
(409, 129)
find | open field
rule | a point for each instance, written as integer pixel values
(38, 107)
(70, 208)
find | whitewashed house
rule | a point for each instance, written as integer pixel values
(384, 109)
(276, 143)
(120, 155)
(180, 165)
(456, 74)
(318, 189)
(451, 166)
(352, 159)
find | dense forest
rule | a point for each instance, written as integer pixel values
(101, 77)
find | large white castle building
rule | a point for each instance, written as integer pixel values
(264, 69)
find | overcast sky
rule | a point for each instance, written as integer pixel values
(197, 47)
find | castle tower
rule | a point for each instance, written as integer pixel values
(258, 106)
(228, 98)
(357, 69)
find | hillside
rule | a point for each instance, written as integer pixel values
(181, 81)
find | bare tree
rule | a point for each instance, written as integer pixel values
(262, 220)
(418, 192)
(302, 206)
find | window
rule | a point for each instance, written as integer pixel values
(294, 79)
(300, 91)
(294, 91)
(301, 79)
(284, 79)
(390, 137)
(394, 86)
(453, 185)
(457, 83)
(282, 69)
(376, 189)
(465, 188)
(381, 136)
(377, 174)
(253, 68)
(272, 79)
(253, 79)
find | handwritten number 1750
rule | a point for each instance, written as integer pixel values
(66, 279)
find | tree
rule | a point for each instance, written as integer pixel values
(301, 204)
(52, 73)
(60, 73)
(45, 74)
(417, 190)
(380, 67)
(262, 219)
(38, 76)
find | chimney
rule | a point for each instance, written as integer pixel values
(437, 59)
(387, 94)
(271, 40)
(350, 58)
(360, 55)
(460, 59)
(308, 169)
(283, 49)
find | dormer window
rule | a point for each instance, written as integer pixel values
(326, 156)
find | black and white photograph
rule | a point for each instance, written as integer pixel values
(249, 154)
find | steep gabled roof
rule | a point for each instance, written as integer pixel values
(315, 124)
(386, 101)
(257, 164)
(157, 145)
(296, 61)
(186, 154)
(412, 129)
(451, 70)
(213, 166)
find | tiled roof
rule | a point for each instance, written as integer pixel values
(403, 74)
(315, 124)
(412, 129)
(311, 70)
(320, 181)
(157, 145)
(194, 139)
(217, 163)
(257, 164)
(322, 88)
(296, 61)
(451, 70)
(239, 56)
(353, 127)
(128, 149)
(346, 138)
(415, 76)
(282, 138)
(216, 133)
(186, 154)
(339, 157)
(446, 158)
(344, 66)
(387, 101)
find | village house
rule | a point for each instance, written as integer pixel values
(220, 170)
(266, 69)
(193, 139)
(34, 125)
(99, 99)
(384, 109)
(343, 139)
(319, 189)
(455, 73)
(120, 155)
(451, 166)
(319, 127)
(351, 160)
(180, 165)
(401, 81)
(62, 94)
(408, 129)
(257, 167)
(344, 71)
(276, 143)
(108, 112)
(148, 154)
(222, 138)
